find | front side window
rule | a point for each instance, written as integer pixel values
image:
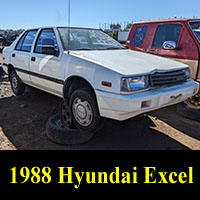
(139, 36)
(195, 26)
(46, 37)
(169, 32)
(87, 39)
(28, 41)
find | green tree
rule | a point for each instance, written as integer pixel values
(129, 26)
(115, 27)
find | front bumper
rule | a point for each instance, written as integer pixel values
(123, 107)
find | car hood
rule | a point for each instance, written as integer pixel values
(128, 62)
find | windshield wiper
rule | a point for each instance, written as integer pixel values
(84, 49)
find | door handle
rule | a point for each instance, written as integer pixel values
(13, 55)
(33, 59)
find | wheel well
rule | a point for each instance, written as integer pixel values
(10, 69)
(73, 84)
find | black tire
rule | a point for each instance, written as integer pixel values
(18, 87)
(86, 95)
(65, 115)
(187, 112)
(65, 136)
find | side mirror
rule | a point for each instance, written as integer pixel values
(169, 45)
(49, 50)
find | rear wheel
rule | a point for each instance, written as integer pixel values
(18, 87)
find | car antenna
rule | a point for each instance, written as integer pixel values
(69, 9)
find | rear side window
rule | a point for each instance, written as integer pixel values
(139, 36)
(46, 37)
(28, 41)
(169, 32)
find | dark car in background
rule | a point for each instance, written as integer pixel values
(9, 39)
(1, 41)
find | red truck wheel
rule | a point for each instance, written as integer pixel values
(193, 102)
(187, 112)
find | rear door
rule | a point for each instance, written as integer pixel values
(186, 51)
(21, 55)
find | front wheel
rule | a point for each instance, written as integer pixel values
(84, 110)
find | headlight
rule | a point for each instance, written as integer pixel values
(187, 73)
(134, 83)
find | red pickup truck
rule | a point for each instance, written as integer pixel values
(178, 39)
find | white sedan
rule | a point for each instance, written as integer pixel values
(95, 75)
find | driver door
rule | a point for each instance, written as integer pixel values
(45, 70)
(166, 32)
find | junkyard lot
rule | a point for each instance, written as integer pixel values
(23, 119)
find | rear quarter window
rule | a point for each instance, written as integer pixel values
(19, 45)
(139, 35)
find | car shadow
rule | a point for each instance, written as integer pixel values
(134, 135)
(23, 120)
(187, 126)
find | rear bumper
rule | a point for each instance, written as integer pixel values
(199, 86)
(5, 67)
(122, 107)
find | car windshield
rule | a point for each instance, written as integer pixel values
(196, 28)
(87, 39)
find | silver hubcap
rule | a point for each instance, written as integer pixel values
(14, 83)
(82, 112)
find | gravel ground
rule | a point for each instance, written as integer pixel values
(23, 119)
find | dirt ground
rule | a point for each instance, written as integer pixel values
(23, 119)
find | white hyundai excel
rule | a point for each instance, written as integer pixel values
(95, 75)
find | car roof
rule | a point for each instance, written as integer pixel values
(168, 20)
(46, 27)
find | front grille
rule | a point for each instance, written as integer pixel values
(167, 78)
